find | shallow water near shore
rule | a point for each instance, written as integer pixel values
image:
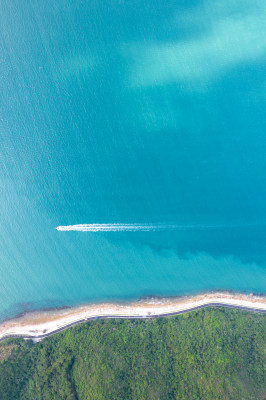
(131, 112)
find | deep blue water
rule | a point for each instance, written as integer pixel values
(131, 112)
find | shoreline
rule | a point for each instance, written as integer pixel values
(39, 324)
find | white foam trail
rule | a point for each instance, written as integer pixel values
(133, 227)
(144, 227)
(117, 227)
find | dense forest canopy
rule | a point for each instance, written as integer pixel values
(205, 354)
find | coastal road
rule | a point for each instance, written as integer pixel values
(243, 308)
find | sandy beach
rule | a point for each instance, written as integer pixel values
(39, 324)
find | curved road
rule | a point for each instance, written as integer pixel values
(243, 308)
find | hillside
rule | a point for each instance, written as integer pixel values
(206, 354)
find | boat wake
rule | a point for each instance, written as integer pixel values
(118, 227)
(137, 227)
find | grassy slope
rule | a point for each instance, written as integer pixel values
(206, 354)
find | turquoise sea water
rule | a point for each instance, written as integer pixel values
(131, 112)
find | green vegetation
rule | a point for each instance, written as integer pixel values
(206, 354)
